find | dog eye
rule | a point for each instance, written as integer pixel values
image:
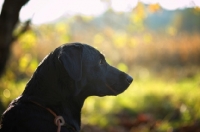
(101, 62)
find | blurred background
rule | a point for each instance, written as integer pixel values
(157, 42)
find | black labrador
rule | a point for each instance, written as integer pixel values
(54, 96)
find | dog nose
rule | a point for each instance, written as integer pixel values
(129, 79)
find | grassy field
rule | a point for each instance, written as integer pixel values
(166, 101)
(170, 102)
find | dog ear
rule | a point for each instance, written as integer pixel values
(71, 59)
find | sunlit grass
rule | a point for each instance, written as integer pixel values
(160, 97)
(152, 95)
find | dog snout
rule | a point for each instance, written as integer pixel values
(129, 79)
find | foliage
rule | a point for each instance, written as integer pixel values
(164, 64)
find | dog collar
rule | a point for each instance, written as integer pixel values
(59, 120)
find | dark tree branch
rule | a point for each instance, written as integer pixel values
(25, 28)
(9, 18)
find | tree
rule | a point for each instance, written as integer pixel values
(9, 19)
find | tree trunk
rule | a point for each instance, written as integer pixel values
(9, 18)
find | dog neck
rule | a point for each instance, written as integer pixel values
(52, 87)
(70, 110)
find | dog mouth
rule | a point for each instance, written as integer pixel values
(110, 88)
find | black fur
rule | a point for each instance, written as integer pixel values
(62, 81)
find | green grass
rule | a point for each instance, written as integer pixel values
(157, 96)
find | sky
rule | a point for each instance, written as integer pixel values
(44, 11)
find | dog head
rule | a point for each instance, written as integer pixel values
(90, 71)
